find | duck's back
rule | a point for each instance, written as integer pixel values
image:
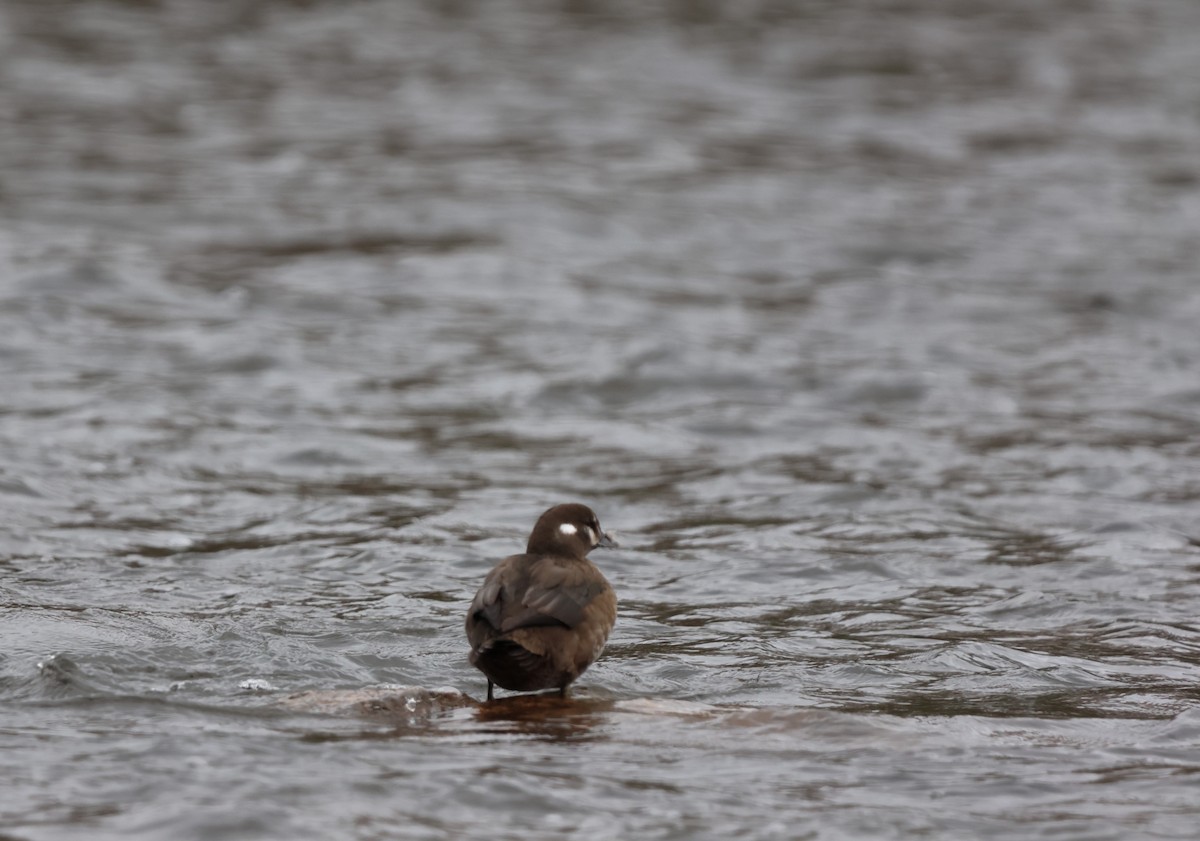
(539, 621)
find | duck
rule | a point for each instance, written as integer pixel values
(543, 617)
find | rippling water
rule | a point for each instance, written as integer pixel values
(871, 327)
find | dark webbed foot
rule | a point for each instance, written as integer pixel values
(489, 689)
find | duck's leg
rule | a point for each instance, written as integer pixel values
(489, 689)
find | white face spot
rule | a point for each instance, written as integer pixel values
(567, 528)
(591, 535)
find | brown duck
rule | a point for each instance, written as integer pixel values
(541, 618)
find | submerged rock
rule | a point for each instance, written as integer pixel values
(385, 700)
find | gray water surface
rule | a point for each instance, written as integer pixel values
(870, 326)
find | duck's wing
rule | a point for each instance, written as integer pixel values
(526, 591)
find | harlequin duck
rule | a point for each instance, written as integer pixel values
(541, 618)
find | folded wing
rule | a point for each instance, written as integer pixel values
(527, 591)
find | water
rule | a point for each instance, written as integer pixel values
(870, 327)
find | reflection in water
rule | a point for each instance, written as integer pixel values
(544, 716)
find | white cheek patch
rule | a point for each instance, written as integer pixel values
(567, 528)
(591, 535)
